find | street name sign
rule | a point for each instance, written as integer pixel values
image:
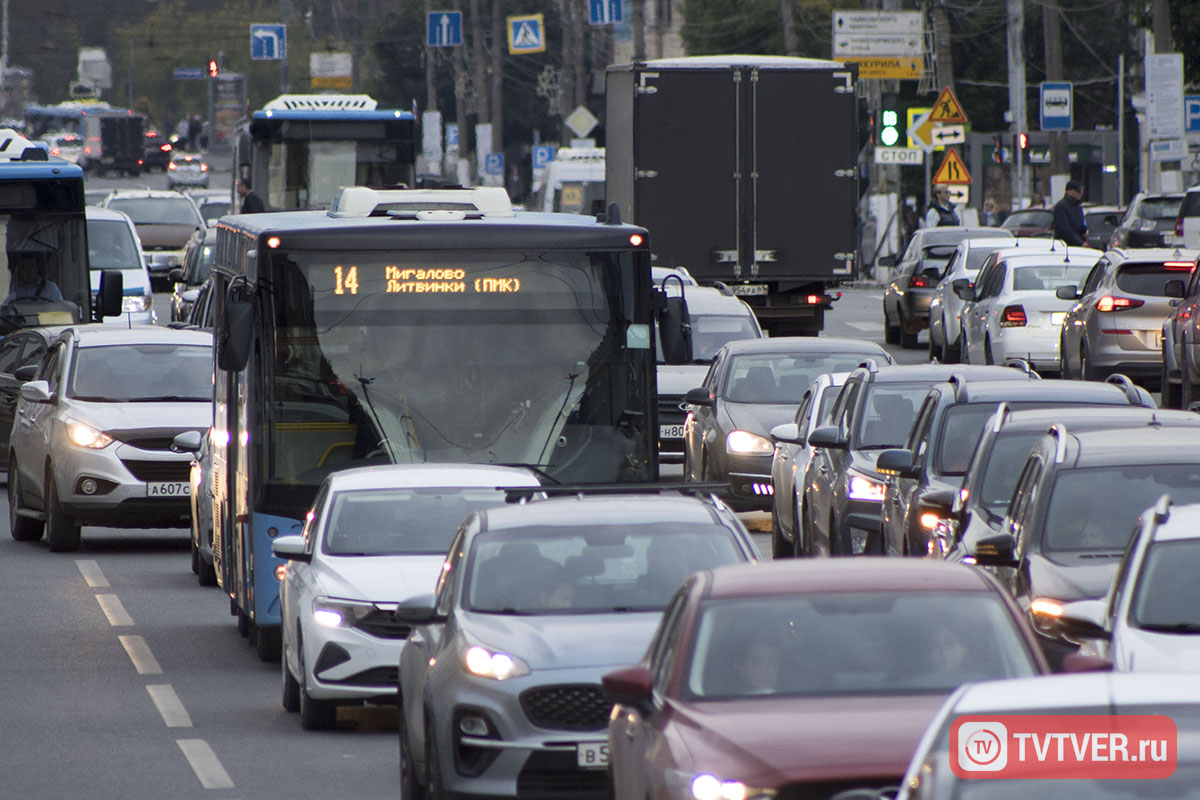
(877, 33)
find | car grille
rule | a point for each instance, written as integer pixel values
(578, 707)
(669, 413)
(555, 775)
(160, 470)
(147, 439)
(384, 625)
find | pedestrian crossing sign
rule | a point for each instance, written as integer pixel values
(952, 170)
(527, 34)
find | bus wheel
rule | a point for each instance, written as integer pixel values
(243, 624)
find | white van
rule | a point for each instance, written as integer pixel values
(574, 181)
(113, 244)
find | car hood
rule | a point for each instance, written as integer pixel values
(678, 379)
(566, 641)
(1075, 576)
(141, 417)
(160, 237)
(379, 579)
(1150, 651)
(768, 742)
(758, 418)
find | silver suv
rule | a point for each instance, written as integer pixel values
(94, 441)
(165, 221)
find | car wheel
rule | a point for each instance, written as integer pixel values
(935, 350)
(835, 538)
(195, 557)
(1087, 370)
(269, 643)
(780, 547)
(891, 333)
(206, 573)
(23, 529)
(433, 769)
(291, 688)
(907, 340)
(1169, 392)
(1187, 389)
(797, 530)
(315, 715)
(951, 354)
(410, 787)
(62, 533)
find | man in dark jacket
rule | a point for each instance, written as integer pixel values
(251, 203)
(1068, 216)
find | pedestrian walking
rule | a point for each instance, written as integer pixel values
(1069, 224)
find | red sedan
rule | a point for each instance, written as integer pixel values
(797, 677)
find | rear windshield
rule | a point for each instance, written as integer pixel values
(1048, 277)
(1191, 205)
(1149, 279)
(1160, 208)
(1028, 218)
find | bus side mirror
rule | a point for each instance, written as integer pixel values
(675, 330)
(110, 296)
(233, 340)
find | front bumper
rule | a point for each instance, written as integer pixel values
(124, 475)
(349, 664)
(161, 262)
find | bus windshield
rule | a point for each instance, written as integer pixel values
(43, 269)
(495, 357)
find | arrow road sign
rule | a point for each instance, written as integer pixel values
(445, 29)
(921, 132)
(604, 12)
(268, 42)
(1056, 112)
(947, 134)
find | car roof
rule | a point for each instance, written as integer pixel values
(995, 242)
(400, 476)
(1134, 446)
(1182, 522)
(1115, 690)
(1154, 253)
(936, 373)
(953, 234)
(99, 334)
(1095, 416)
(1051, 257)
(805, 344)
(709, 300)
(1031, 244)
(610, 509)
(158, 194)
(804, 576)
(100, 212)
(986, 391)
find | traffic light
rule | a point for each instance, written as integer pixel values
(997, 149)
(889, 122)
(213, 70)
(1020, 145)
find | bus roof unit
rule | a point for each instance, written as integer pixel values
(15, 147)
(322, 102)
(359, 201)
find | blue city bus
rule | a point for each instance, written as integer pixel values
(414, 326)
(44, 277)
(298, 151)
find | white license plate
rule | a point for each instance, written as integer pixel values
(169, 489)
(592, 755)
(749, 289)
(670, 431)
(1056, 319)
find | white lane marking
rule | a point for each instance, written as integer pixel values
(91, 573)
(205, 764)
(865, 326)
(110, 604)
(169, 705)
(139, 653)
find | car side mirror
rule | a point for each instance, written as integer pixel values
(829, 437)
(995, 550)
(937, 501)
(698, 397)
(963, 288)
(175, 275)
(111, 294)
(1084, 619)
(290, 548)
(1173, 288)
(886, 261)
(1067, 292)
(631, 686)
(36, 392)
(26, 373)
(419, 610)
(898, 463)
(787, 433)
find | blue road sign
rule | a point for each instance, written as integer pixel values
(445, 29)
(268, 42)
(527, 34)
(1191, 113)
(189, 74)
(451, 135)
(604, 12)
(1057, 113)
(494, 164)
(543, 154)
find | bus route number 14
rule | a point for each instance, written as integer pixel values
(345, 279)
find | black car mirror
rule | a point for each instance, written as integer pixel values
(830, 437)
(111, 294)
(897, 463)
(995, 550)
(1070, 292)
(674, 325)
(698, 397)
(1173, 288)
(175, 275)
(886, 261)
(963, 288)
(236, 335)
(937, 501)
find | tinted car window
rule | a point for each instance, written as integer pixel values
(1048, 276)
(1168, 594)
(1095, 508)
(1028, 219)
(888, 413)
(1003, 467)
(772, 379)
(158, 210)
(1148, 279)
(401, 521)
(142, 373)
(960, 434)
(843, 643)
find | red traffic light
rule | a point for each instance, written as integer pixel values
(1023, 140)
(212, 68)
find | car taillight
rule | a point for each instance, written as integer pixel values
(1013, 317)
(1109, 303)
(166, 148)
(204, 167)
(918, 282)
(172, 166)
(1178, 266)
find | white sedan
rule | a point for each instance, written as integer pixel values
(1012, 311)
(375, 536)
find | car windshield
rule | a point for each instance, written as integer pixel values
(843, 643)
(214, 209)
(1048, 277)
(1096, 508)
(888, 413)
(1167, 594)
(1009, 451)
(111, 245)
(376, 522)
(590, 568)
(158, 210)
(142, 373)
(782, 379)
(1150, 279)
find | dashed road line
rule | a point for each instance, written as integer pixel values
(91, 573)
(139, 653)
(110, 604)
(205, 764)
(169, 706)
(864, 326)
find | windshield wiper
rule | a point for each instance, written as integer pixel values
(166, 398)
(1172, 627)
(535, 469)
